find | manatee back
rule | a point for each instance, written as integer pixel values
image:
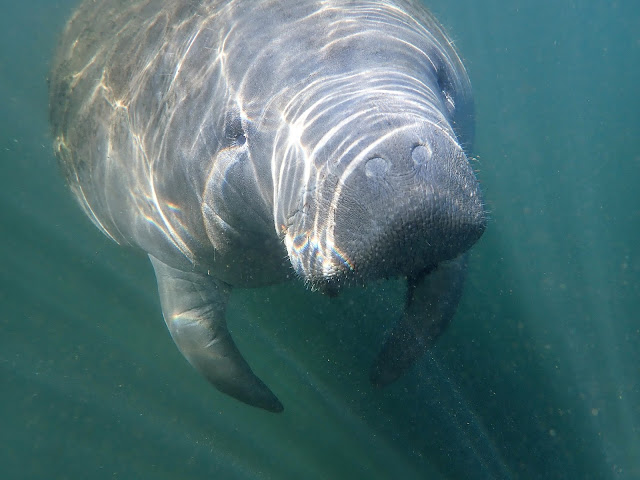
(112, 90)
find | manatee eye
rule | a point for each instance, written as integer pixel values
(446, 88)
(234, 133)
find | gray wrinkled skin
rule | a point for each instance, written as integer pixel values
(223, 137)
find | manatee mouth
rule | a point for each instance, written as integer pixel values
(404, 248)
(322, 266)
(369, 236)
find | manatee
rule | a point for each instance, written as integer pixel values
(243, 143)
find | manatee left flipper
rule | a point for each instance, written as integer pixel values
(194, 307)
(432, 299)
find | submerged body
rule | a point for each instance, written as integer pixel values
(236, 140)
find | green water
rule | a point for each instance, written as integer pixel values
(538, 376)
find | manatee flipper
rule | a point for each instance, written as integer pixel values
(194, 307)
(432, 298)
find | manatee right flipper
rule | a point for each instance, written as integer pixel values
(432, 299)
(194, 307)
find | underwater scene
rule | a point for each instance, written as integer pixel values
(536, 377)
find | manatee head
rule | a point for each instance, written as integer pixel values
(362, 118)
(382, 185)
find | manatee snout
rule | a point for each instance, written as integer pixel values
(400, 206)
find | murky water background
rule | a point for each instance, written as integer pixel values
(538, 376)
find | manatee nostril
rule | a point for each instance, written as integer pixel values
(376, 167)
(421, 154)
